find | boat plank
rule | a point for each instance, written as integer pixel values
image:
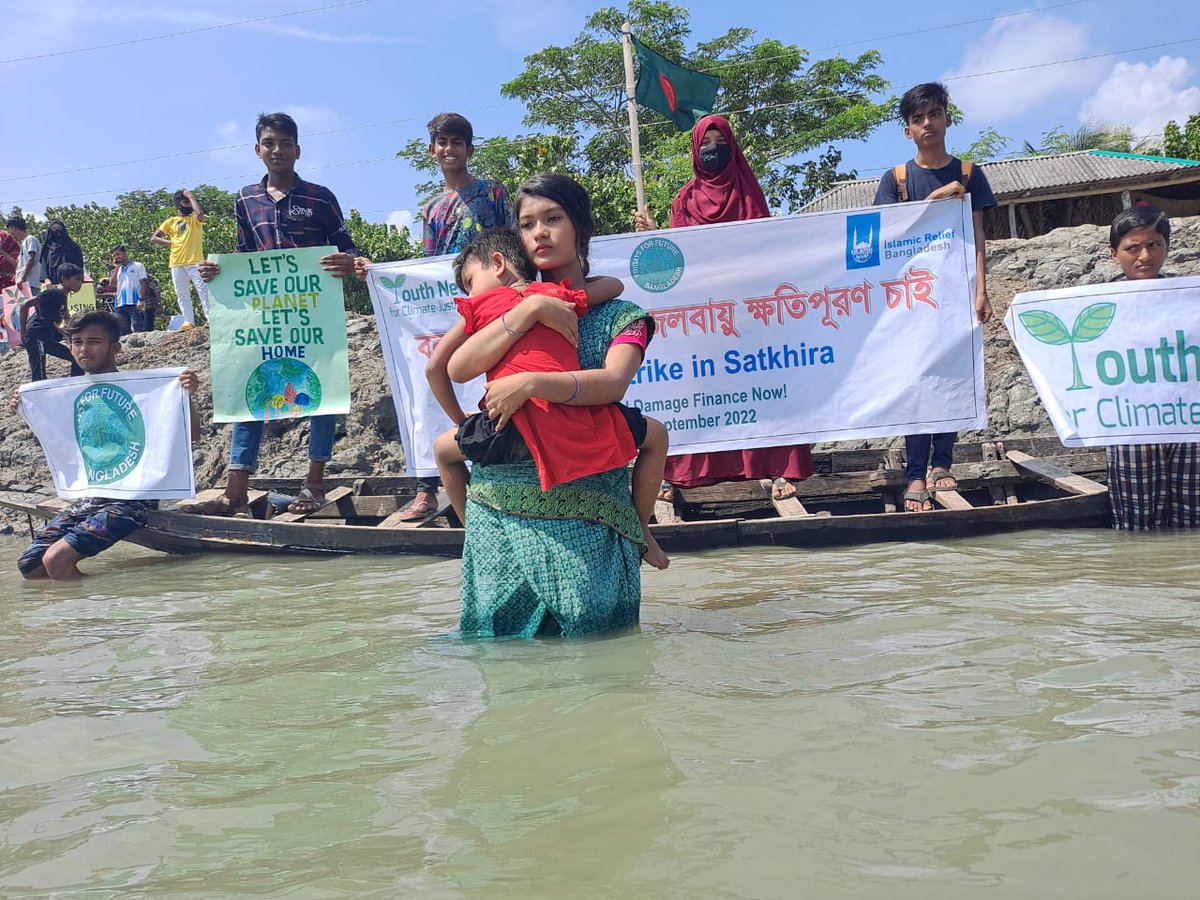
(331, 498)
(788, 506)
(1059, 477)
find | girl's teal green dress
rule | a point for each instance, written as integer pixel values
(564, 561)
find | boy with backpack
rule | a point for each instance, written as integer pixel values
(934, 174)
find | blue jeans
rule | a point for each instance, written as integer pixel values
(916, 453)
(247, 438)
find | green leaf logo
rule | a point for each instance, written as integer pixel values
(1048, 328)
(387, 282)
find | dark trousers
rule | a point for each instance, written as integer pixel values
(38, 350)
(916, 453)
(128, 316)
(144, 320)
(429, 485)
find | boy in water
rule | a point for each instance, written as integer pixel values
(91, 525)
(566, 442)
(1149, 485)
(934, 174)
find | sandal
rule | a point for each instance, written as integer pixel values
(216, 506)
(307, 501)
(924, 498)
(936, 475)
(782, 489)
(666, 492)
(420, 508)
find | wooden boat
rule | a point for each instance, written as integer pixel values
(852, 499)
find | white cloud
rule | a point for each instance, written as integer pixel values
(1022, 41)
(230, 145)
(402, 218)
(281, 27)
(1145, 97)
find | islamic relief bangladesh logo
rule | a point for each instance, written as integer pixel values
(656, 265)
(110, 433)
(1048, 328)
(862, 241)
(283, 389)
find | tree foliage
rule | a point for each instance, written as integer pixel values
(782, 104)
(1182, 143)
(137, 215)
(990, 145)
(1091, 135)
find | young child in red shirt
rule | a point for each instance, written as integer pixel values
(566, 442)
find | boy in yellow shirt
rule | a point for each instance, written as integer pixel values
(184, 234)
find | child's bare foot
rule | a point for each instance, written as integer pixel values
(654, 554)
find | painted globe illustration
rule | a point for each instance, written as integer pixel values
(110, 432)
(283, 389)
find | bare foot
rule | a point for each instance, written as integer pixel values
(654, 554)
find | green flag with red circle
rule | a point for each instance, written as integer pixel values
(682, 95)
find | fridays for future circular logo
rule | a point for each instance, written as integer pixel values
(110, 432)
(656, 265)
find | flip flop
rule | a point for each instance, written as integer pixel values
(922, 497)
(307, 502)
(666, 492)
(942, 475)
(780, 487)
(418, 509)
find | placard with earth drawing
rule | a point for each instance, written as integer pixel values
(278, 337)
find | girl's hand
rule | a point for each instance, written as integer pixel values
(506, 395)
(189, 381)
(557, 315)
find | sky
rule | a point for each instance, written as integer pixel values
(176, 107)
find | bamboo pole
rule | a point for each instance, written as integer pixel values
(634, 134)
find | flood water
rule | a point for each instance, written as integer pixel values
(1016, 716)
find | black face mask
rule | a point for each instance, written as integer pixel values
(185, 210)
(715, 157)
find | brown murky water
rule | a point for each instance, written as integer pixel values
(1006, 717)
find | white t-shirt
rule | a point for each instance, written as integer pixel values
(129, 284)
(34, 246)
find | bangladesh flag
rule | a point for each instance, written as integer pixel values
(682, 95)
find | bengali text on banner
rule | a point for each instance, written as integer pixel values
(770, 332)
(1115, 363)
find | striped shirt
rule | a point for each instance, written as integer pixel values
(306, 216)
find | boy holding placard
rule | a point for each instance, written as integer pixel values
(1149, 485)
(934, 174)
(93, 524)
(282, 211)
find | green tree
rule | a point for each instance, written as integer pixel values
(1091, 135)
(782, 104)
(990, 144)
(1182, 143)
(137, 215)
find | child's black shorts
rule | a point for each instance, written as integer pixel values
(481, 443)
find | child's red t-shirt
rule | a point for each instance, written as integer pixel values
(566, 442)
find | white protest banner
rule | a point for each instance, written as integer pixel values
(770, 332)
(1115, 363)
(126, 435)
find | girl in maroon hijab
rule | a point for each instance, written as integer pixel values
(724, 189)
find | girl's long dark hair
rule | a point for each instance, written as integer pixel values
(570, 195)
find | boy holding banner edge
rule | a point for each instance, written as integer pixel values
(282, 211)
(934, 174)
(93, 524)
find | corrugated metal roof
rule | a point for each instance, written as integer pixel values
(1031, 177)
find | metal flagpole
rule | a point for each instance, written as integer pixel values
(634, 135)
